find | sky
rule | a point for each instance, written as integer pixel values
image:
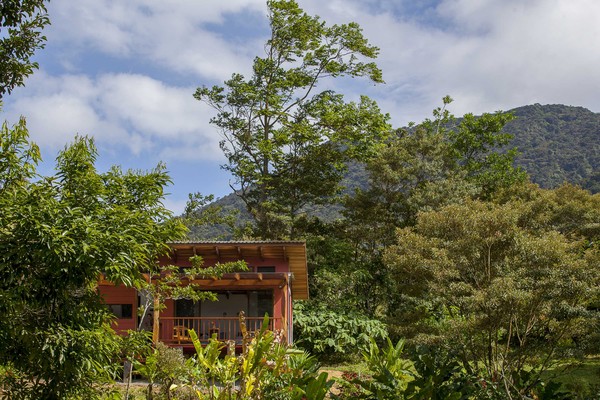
(124, 71)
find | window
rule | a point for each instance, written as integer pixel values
(265, 269)
(260, 302)
(265, 303)
(122, 311)
(187, 308)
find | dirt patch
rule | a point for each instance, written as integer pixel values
(332, 373)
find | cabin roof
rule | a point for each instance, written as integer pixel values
(292, 252)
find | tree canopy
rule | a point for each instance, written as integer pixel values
(59, 235)
(505, 285)
(285, 139)
(21, 25)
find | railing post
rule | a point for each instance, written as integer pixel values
(155, 324)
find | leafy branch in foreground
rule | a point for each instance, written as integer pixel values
(58, 235)
(22, 22)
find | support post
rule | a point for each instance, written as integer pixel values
(155, 324)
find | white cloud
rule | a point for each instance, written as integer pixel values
(149, 105)
(487, 54)
(172, 34)
(56, 109)
(118, 110)
(530, 51)
(177, 206)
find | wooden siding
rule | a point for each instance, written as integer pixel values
(121, 295)
(283, 255)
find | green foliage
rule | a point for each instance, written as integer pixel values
(22, 22)
(591, 182)
(581, 379)
(440, 375)
(426, 166)
(498, 285)
(285, 141)
(136, 345)
(266, 369)
(391, 372)
(166, 366)
(18, 157)
(423, 167)
(71, 359)
(58, 235)
(432, 373)
(334, 334)
(404, 176)
(345, 277)
(477, 142)
(558, 144)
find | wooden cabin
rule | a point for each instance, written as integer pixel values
(277, 275)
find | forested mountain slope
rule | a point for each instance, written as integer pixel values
(557, 144)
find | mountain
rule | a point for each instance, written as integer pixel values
(557, 144)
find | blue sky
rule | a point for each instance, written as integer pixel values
(124, 71)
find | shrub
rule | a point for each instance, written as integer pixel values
(165, 365)
(267, 369)
(332, 334)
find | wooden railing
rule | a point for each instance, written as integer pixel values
(175, 330)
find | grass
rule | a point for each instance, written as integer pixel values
(358, 367)
(581, 378)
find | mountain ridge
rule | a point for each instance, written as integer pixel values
(556, 143)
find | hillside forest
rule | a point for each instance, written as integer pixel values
(457, 257)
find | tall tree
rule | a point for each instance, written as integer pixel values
(481, 151)
(58, 235)
(426, 166)
(287, 141)
(499, 284)
(21, 25)
(402, 175)
(421, 167)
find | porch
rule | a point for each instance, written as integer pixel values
(174, 331)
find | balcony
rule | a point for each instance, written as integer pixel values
(174, 331)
